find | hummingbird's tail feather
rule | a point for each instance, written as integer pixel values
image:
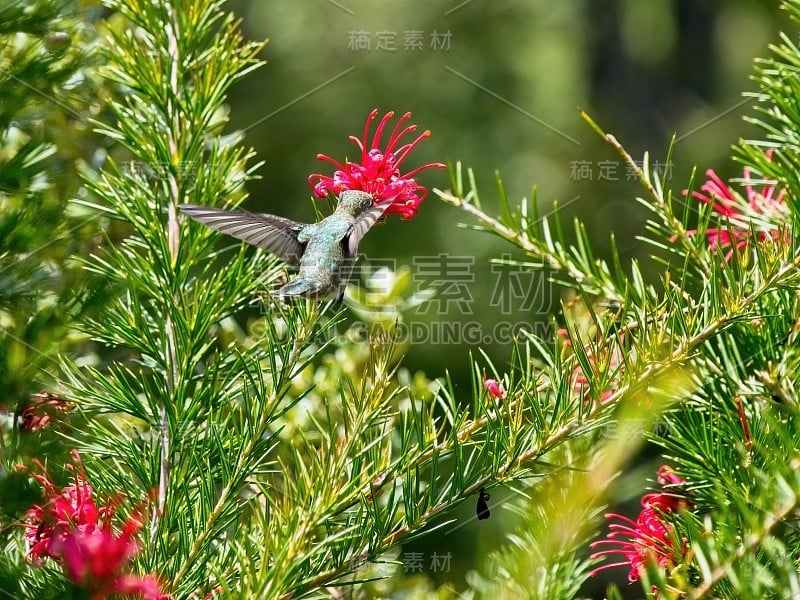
(303, 288)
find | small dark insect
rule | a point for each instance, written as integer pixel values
(483, 508)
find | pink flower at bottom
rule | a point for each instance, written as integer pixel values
(70, 529)
(95, 562)
(649, 538)
(96, 556)
(71, 507)
(637, 542)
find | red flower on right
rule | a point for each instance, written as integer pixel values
(648, 539)
(739, 214)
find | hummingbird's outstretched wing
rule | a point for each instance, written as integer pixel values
(274, 234)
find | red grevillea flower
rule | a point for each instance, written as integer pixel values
(378, 173)
(646, 540)
(70, 529)
(740, 212)
(95, 561)
(494, 388)
(41, 410)
(71, 507)
(637, 542)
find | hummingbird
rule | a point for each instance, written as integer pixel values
(324, 253)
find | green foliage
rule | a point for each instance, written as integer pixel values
(723, 332)
(319, 479)
(44, 86)
(43, 59)
(288, 459)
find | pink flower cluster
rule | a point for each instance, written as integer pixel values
(648, 539)
(69, 528)
(378, 173)
(738, 212)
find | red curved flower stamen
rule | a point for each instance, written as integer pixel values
(638, 542)
(378, 173)
(395, 137)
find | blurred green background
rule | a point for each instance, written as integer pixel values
(499, 85)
